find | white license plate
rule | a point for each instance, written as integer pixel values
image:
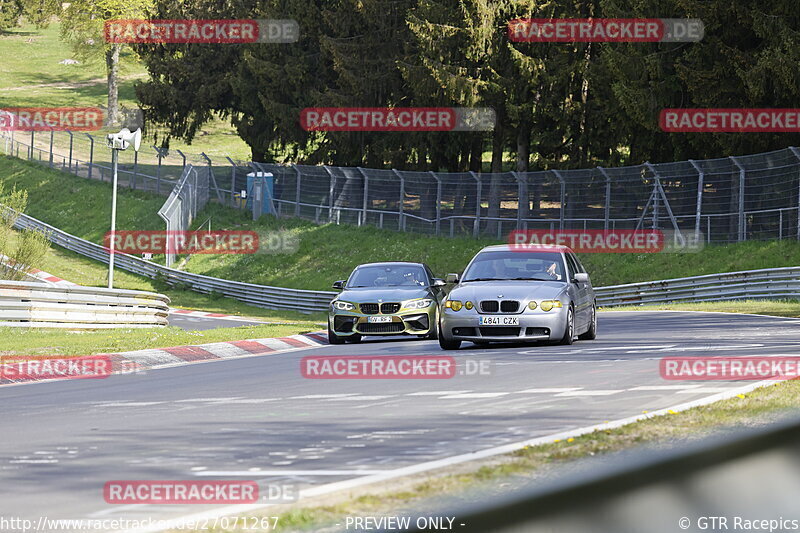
(378, 319)
(499, 321)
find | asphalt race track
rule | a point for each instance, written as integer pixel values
(258, 418)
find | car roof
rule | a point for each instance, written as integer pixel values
(392, 263)
(558, 248)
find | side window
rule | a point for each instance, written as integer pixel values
(578, 263)
(573, 266)
(430, 274)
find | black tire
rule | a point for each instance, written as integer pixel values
(433, 334)
(355, 338)
(445, 344)
(591, 333)
(333, 338)
(569, 331)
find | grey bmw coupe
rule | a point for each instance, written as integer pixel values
(518, 294)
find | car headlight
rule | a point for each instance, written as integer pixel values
(455, 305)
(343, 306)
(547, 305)
(417, 304)
(532, 305)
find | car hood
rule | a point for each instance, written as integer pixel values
(384, 294)
(511, 290)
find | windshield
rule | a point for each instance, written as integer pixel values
(542, 266)
(388, 276)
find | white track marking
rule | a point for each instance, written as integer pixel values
(705, 389)
(438, 392)
(321, 396)
(289, 473)
(590, 393)
(366, 398)
(474, 395)
(664, 387)
(550, 390)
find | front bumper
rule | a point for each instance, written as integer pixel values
(411, 322)
(535, 325)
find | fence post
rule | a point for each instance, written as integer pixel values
(563, 198)
(91, 154)
(364, 203)
(742, 235)
(70, 150)
(135, 169)
(183, 156)
(401, 205)
(607, 206)
(297, 191)
(438, 201)
(476, 228)
(700, 186)
(797, 155)
(158, 169)
(52, 133)
(522, 193)
(331, 190)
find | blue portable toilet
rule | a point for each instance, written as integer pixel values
(268, 188)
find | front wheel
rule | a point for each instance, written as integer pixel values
(569, 331)
(591, 333)
(333, 338)
(433, 334)
(445, 344)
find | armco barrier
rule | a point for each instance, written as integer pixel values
(24, 304)
(258, 295)
(771, 283)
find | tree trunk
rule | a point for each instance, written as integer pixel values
(112, 70)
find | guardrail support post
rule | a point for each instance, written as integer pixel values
(796, 153)
(742, 231)
(699, 211)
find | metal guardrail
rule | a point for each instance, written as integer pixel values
(771, 283)
(250, 293)
(768, 283)
(747, 475)
(25, 304)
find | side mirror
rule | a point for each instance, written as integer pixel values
(438, 282)
(338, 285)
(452, 278)
(581, 277)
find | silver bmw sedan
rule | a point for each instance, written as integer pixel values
(518, 294)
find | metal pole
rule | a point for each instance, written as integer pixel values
(32, 142)
(52, 133)
(476, 227)
(183, 156)
(331, 190)
(70, 150)
(700, 186)
(400, 212)
(438, 222)
(563, 198)
(366, 196)
(522, 193)
(796, 153)
(91, 154)
(158, 169)
(742, 235)
(112, 244)
(297, 191)
(135, 168)
(607, 206)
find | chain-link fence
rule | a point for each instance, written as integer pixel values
(724, 200)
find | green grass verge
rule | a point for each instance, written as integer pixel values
(756, 408)
(22, 341)
(329, 252)
(785, 308)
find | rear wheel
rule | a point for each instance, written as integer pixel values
(333, 338)
(591, 333)
(569, 331)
